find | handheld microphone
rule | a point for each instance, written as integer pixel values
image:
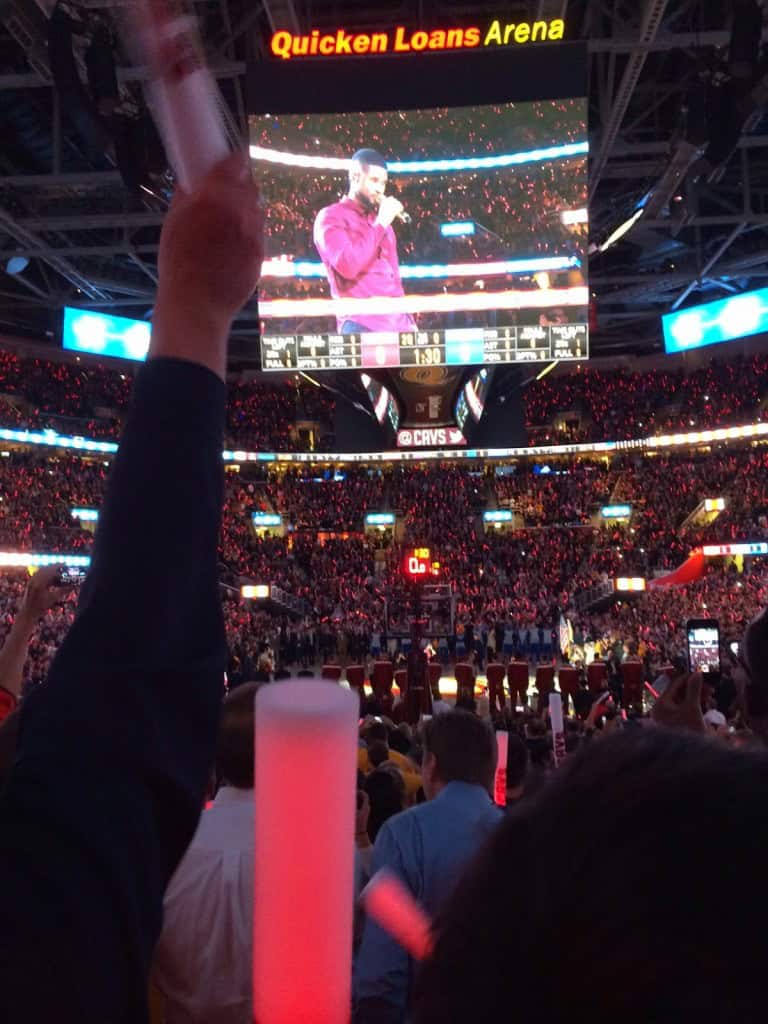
(404, 218)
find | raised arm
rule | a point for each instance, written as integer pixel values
(115, 747)
(39, 596)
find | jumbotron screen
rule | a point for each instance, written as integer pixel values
(440, 237)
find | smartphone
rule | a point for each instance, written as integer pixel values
(71, 576)
(703, 640)
(735, 647)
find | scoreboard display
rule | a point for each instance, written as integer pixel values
(451, 347)
(418, 563)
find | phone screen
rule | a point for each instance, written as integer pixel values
(703, 648)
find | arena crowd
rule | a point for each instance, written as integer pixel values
(117, 732)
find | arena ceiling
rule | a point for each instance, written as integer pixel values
(678, 117)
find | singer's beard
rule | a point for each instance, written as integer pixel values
(367, 204)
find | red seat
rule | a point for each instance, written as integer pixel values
(331, 672)
(7, 703)
(631, 682)
(381, 679)
(401, 681)
(597, 676)
(545, 684)
(435, 670)
(568, 678)
(356, 676)
(495, 674)
(518, 677)
(465, 681)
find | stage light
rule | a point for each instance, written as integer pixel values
(256, 591)
(714, 504)
(116, 336)
(457, 229)
(264, 519)
(570, 217)
(16, 265)
(497, 515)
(616, 511)
(736, 317)
(635, 585)
(620, 231)
(85, 515)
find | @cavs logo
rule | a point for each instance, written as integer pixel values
(430, 437)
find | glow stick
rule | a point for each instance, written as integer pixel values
(183, 96)
(304, 852)
(387, 901)
(500, 780)
(558, 727)
(653, 692)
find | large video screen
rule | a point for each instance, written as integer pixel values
(84, 330)
(444, 236)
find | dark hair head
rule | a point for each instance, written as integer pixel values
(376, 732)
(683, 821)
(378, 753)
(234, 743)
(464, 748)
(517, 761)
(385, 793)
(369, 158)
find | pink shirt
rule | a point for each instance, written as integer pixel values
(360, 257)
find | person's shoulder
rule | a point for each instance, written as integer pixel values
(333, 211)
(402, 762)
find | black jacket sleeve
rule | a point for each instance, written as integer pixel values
(115, 747)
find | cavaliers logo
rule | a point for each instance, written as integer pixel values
(425, 376)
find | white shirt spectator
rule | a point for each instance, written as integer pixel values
(203, 959)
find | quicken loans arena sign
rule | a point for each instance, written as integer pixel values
(400, 39)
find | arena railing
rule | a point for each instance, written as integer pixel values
(750, 431)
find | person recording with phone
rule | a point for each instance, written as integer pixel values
(357, 244)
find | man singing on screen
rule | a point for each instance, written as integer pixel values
(357, 244)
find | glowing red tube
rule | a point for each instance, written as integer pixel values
(653, 692)
(391, 906)
(500, 780)
(306, 746)
(558, 726)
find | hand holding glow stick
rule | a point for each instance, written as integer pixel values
(304, 852)
(500, 779)
(388, 902)
(185, 103)
(558, 726)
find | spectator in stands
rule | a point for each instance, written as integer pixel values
(202, 963)
(40, 595)
(115, 749)
(426, 847)
(672, 910)
(386, 793)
